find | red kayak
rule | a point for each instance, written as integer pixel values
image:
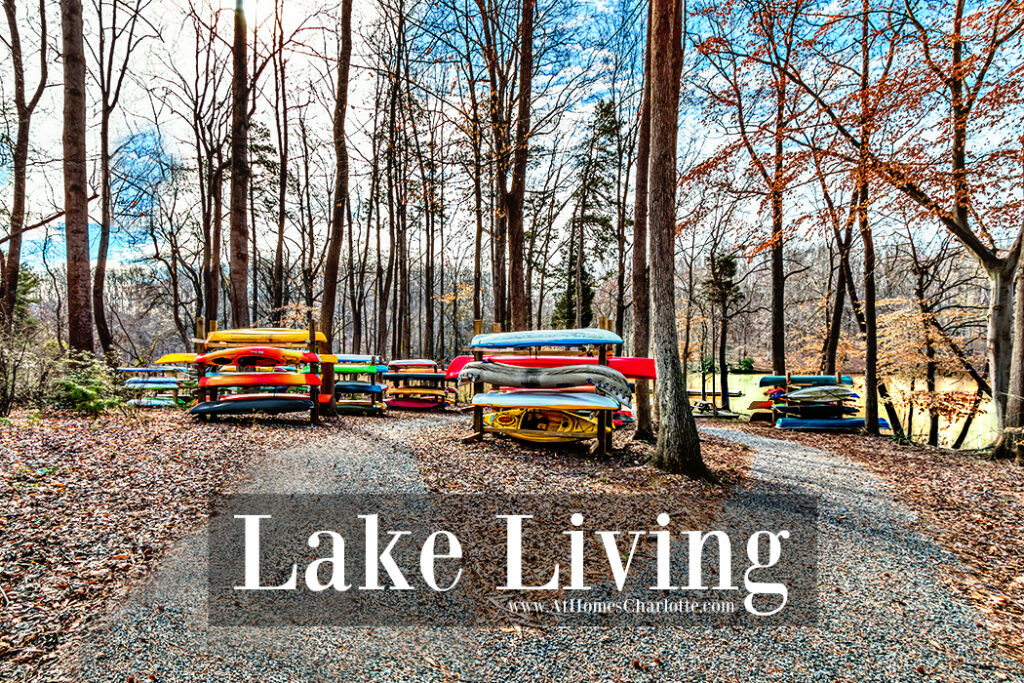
(246, 397)
(632, 368)
(261, 356)
(260, 379)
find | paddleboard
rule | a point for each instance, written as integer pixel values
(541, 338)
(816, 380)
(545, 398)
(270, 406)
(822, 394)
(256, 356)
(605, 380)
(256, 379)
(559, 426)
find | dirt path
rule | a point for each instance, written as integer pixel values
(884, 617)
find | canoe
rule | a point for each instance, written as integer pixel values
(260, 379)
(175, 358)
(540, 338)
(809, 380)
(546, 398)
(422, 376)
(270, 406)
(256, 356)
(413, 404)
(816, 411)
(842, 424)
(358, 388)
(605, 380)
(631, 367)
(555, 426)
(263, 335)
(822, 394)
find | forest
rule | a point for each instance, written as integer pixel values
(818, 186)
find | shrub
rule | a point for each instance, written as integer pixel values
(84, 384)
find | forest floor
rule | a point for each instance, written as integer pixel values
(972, 506)
(89, 509)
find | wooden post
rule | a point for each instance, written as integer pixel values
(200, 332)
(495, 327)
(478, 326)
(604, 416)
(478, 411)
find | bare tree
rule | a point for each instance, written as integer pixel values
(238, 264)
(25, 106)
(76, 196)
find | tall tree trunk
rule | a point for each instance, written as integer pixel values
(76, 197)
(723, 366)
(778, 264)
(106, 202)
(340, 176)
(678, 448)
(238, 266)
(281, 119)
(25, 107)
(870, 318)
(641, 286)
(514, 200)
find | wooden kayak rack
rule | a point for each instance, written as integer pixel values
(603, 442)
(205, 328)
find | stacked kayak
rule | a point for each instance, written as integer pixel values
(357, 388)
(247, 380)
(417, 384)
(154, 387)
(813, 403)
(550, 398)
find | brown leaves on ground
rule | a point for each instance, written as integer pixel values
(503, 465)
(87, 507)
(972, 507)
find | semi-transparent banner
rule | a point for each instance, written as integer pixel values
(482, 560)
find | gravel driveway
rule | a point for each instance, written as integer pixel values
(885, 615)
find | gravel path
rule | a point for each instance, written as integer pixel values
(884, 612)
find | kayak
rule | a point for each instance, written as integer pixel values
(413, 404)
(815, 411)
(810, 380)
(422, 376)
(247, 397)
(842, 424)
(256, 356)
(408, 364)
(363, 407)
(631, 367)
(153, 402)
(270, 406)
(822, 394)
(263, 335)
(540, 338)
(149, 371)
(542, 426)
(418, 391)
(605, 380)
(258, 379)
(357, 369)
(358, 388)
(550, 398)
(760, 405)
(147, 381)
(175, 358)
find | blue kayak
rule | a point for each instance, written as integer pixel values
(840, 424)
(358, 388)
(558, 338)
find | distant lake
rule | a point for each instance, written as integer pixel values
(981, 433)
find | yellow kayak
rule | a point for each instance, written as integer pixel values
(542, 426)
(176, 358)
(417, 391)
(262, 335)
